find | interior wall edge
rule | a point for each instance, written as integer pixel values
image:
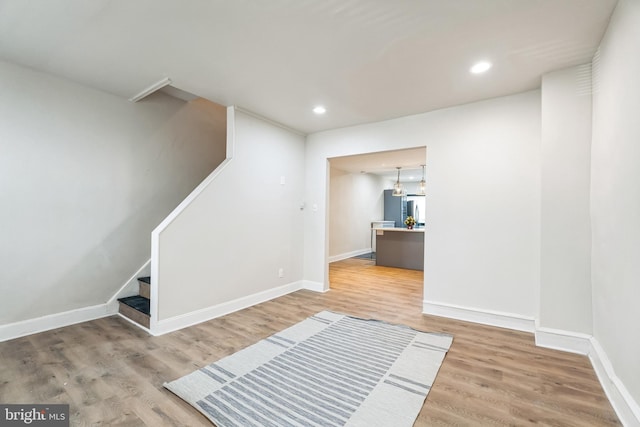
(314, 286)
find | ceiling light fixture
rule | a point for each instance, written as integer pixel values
(397, 187)
(422, 186)
(319, 109)
(480, 67)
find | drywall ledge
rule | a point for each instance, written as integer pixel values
(151, 89)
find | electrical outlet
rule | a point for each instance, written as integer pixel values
(281, 272)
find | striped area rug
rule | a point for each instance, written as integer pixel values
(328, 370)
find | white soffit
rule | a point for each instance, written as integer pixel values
(384, 163)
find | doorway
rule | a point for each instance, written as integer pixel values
(356, 187)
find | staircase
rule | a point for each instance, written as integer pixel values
(137, 308)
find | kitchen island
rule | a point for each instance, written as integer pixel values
(400, 247)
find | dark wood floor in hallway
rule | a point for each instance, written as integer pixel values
(111, 373)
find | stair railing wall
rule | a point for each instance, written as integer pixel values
(155, 235)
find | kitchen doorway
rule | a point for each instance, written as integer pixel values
(356, 187)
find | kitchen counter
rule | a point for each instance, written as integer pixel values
(405, 229)
(400, 247)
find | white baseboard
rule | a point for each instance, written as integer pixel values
(346, 255)
(314, 286)
(477, 315)
(625, 406)
(572, 342)
(189, 319)
(623, 403)
(54, 321)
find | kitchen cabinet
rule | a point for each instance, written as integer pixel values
(400, 247)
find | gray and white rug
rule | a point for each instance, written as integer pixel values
(328, 370)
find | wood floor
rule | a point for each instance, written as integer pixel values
(111, 373)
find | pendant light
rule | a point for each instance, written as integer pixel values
(397, 187)
(422, 187)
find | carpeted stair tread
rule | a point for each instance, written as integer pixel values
(138, 303)
(145, 279)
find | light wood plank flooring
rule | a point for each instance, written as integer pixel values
(111, 373)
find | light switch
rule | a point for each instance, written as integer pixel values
(282, 180)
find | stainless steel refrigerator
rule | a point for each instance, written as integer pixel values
(395, 208)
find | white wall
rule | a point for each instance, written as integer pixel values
(355, 201)
(615, 195)
(84, 178)
(212, 254)
(483, 205)
(565, 278)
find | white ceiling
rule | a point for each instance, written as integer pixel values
(365, 60)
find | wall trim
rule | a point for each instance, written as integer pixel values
(54, 321)
(623, 403)
(478, 315)
(626, 408)
(557, 339)
(346, 255)
(314, 286)
(151, 89)
(189, 319)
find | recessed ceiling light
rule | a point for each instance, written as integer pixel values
(480, 67)
(319, 109)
